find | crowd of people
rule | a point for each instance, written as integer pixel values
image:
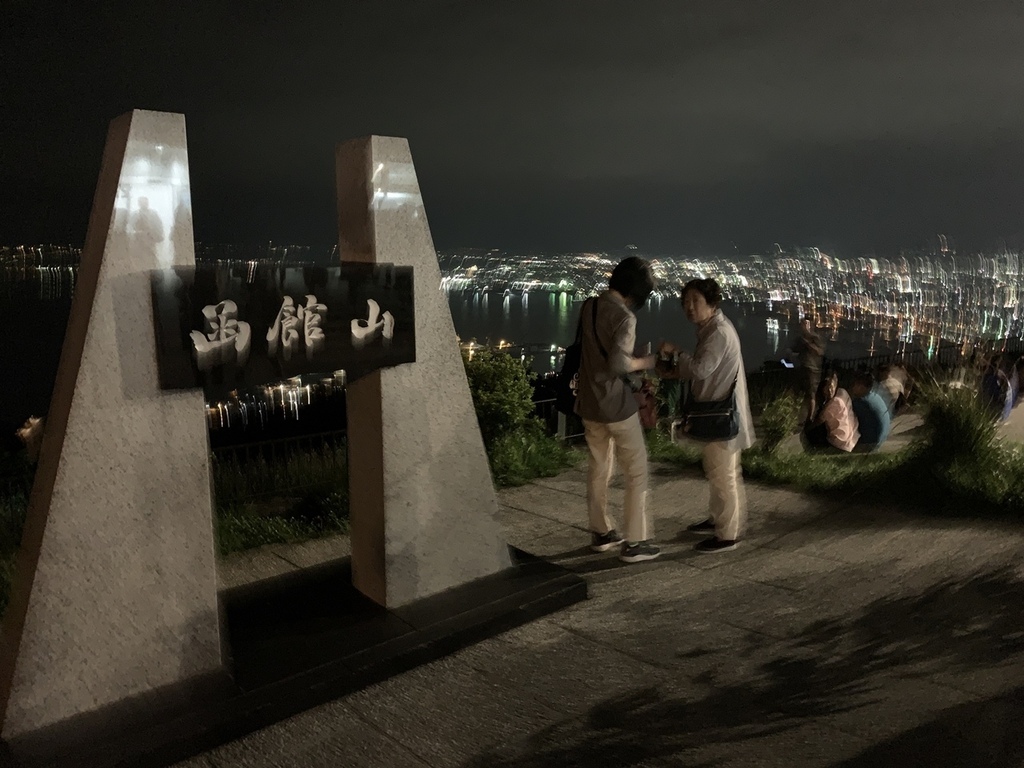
(835, 418)
(858, 418)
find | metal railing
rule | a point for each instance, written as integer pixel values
(564, 427)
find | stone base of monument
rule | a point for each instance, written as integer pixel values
(297, 641)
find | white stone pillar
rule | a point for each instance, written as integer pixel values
(115, 594)
(423, 507)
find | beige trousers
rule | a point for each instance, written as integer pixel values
(728, 496)
(626, 438)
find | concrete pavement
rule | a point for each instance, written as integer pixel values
(836, 635)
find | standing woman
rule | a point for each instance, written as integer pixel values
(606, 404)
(713, 370)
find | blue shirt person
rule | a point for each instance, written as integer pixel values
(871, 410)
(997, 389)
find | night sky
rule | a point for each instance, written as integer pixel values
(680, 126)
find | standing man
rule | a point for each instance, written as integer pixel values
(810, 350)
(606, 404)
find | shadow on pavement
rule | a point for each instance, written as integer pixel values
(829, 668)
(983, 733)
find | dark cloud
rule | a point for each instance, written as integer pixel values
(675, 123)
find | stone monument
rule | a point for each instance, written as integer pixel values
(420, 489)
(111, 646)
(115, 592)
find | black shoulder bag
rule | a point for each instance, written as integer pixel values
(568, 381)
(712, 420)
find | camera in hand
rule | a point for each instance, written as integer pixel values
(667, 361)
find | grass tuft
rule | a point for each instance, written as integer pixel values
(824, 473)
(778, 421)
(246, 527)
(304, 496)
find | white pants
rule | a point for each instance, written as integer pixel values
(627, 439)
(728, 508)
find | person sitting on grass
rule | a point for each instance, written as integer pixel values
(834, 425)
(871, 411)
(1019, 373)
(996, 389)
(894, 385)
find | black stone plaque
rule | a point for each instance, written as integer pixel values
(225, 328)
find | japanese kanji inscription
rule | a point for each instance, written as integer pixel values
(222, 330)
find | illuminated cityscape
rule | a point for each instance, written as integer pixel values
(937, 296)
(913, 302)
(934, 297)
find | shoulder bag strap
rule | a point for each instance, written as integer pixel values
(579, 326)
(593, 315)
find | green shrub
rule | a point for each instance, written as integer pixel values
(763, 388)
(962, 466)
(517, 447)
(13, 507)
(16, 474)
(958, 422)
(525, 453)
(502, 393)
(778, 421)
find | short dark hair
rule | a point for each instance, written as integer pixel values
(826, 376)
(633, 279)
(706, 287)
(864, 377)
(883, 371)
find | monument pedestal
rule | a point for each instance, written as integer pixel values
(305, 639)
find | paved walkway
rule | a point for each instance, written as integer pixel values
(837, 635)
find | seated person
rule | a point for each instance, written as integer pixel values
(996, 388)
(894, 386)
(835, 424)
(871, 410)
(1013, 374)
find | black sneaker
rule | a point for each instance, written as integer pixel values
(704, 526)
(602, 542)
(638, 551)
(714, 545)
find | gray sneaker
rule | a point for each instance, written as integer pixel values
(637, 552)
